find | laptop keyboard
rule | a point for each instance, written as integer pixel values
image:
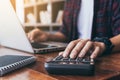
(46, 48)
(38, 45)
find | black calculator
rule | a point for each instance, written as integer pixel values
(66, 66)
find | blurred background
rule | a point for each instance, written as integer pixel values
(43, 14)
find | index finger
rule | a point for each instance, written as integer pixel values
(69, 48)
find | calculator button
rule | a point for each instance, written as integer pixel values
(86, 60)
(65, 59)
(79, 59)
(58, 57)
(91, 60)
(72, 59)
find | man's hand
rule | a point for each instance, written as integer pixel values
(80, 48)
(37, 35)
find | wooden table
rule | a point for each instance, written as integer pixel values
(107, 67)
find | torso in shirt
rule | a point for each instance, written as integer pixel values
(85, 19)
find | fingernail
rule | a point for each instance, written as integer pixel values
(60, 53)
(72, 56)
(92, 57)
(64, 55)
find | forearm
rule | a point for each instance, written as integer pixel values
(116, 42)
(57, 37)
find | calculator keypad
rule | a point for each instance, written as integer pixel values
(69, 66)
(66, 60)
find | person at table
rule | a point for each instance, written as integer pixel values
(89, 25)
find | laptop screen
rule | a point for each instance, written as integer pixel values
(11, 31)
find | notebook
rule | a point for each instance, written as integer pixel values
(10, 63)
(13, 35)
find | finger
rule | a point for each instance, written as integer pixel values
(40, 38)
(95, 52)
(86, 48)
(29, 37)
(61, 53)
(36, 39)
(32, 35)
(69, 48)
(78, 48)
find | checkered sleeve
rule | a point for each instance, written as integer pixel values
(116, 17)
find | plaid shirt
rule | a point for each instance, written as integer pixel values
(106, 21)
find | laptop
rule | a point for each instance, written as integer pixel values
(12, 34)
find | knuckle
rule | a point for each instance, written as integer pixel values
(87, 40)
(102, 44)
(90, 42)
(77, 49)
(72, 43)
(98, 48)
(79, 42)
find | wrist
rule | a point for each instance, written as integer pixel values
(108, 46)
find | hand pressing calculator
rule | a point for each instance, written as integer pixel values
(68, 66)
